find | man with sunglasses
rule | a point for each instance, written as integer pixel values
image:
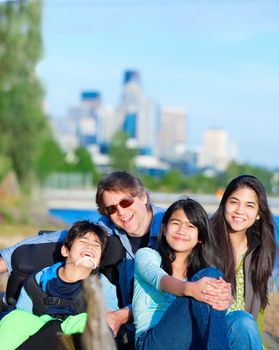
(127, 214)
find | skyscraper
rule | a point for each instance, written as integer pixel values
(172, 134)
(138, 115)
(87, 117)
(216, 152)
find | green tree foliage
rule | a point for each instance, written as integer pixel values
(84, 162)
(202, 184)
(50, 159)
(173, 181)
(80, 161)
(152, 183)
(22, 120)
(235, 169)
(121, 156)
(5, 166)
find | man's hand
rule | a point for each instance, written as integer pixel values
(115, 319)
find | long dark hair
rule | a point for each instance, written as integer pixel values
(202, 254)
(260, 237)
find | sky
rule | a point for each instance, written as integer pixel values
(218, 59)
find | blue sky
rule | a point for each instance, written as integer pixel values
(219, 59)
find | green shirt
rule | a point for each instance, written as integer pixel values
(239, 301)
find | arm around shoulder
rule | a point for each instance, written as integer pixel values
(6, 253)
(3, 266)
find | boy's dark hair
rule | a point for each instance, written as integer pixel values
(119, 181)
(81, 228)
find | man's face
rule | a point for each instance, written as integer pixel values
(134, 219)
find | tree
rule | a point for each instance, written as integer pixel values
(78, 162)
(5, 166)
(173, 181)
(264, 175)
(50, 159)
(121, 156)
(200, 183)
(22, 120)
(83, 160)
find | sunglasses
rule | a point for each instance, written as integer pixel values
(124, 203)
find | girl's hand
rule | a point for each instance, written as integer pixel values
(216, 293)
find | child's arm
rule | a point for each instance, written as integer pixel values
(208, 290)
(216, 293)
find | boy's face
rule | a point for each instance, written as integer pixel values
(86, 251)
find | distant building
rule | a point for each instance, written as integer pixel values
(109, 124)
(138, 115)
(85, 118)
(172, 132)
(65, 132)
(216, 150)
(159, 134)
(131, 76)
(91, 98)
(151, 165)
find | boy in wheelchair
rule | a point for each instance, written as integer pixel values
(55, 292)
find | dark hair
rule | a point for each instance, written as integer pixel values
(202, 254)
(260, 237)
(119, 181)
(81, 228)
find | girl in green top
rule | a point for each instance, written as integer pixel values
(244, 236)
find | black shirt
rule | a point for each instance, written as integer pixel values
(138, 242)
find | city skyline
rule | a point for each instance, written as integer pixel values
(219, 61)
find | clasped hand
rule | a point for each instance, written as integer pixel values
(215, 292)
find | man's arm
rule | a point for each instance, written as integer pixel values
(3, 266)
(115, 319)
(6, 253)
